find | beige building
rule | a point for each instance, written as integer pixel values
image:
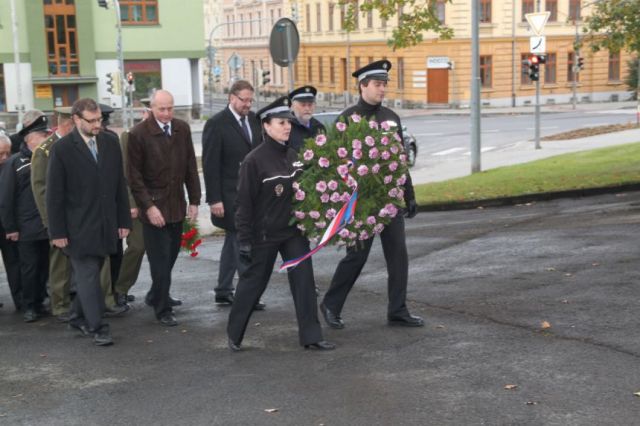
(438, 72)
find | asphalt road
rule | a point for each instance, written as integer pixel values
(485, 280)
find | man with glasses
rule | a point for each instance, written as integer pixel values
(227, 138)
(88, 211)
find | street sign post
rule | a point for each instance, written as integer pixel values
(284, 45)
(538, 44)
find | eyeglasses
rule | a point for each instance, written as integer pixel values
(245, 100)
(94, 121)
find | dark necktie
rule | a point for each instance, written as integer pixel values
(166, 130)
(93, 148)
(245, 129)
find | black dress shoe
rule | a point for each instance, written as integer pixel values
(131, 298)
(64, 317)
(116, 311)
(224, 299)
(174, 302)
(30, 315)
(1, 304)
(322, 345)
(333, 320)
(168, 319)
(82, 328)
(235, 347)
(103, 337)
(259, 306)
(407, 320)
(121, 299)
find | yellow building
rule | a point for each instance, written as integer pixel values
(438, 72)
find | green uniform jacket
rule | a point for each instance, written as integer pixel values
(39, 163)
(124, 141)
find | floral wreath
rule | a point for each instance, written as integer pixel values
(361, 155)
(190, 238)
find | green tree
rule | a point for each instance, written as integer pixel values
(614, 25)
(421, 16)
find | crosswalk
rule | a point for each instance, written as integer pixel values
(461, 151)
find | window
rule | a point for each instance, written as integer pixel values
(61, 39)
(400, 73)
(614, 66)
(571, 61)
(139, 12)
(273, 21)
(148, 77)
(332, 70)
(259, 23)
(342, 15)
(574, 10)
(332, 8)
(485, 72)
(320, 70)
(357, 63)
(370, 19)
(370, 59)
(438, 9)
(309, 70)
(356, 15)
(307, 11)
(524, 79)
(400, 12)
(550, 69)
(527, 7)
(3, 99)
(250, 24)
(228, 26)
(318, 17)
(552, 8)
(485, 11)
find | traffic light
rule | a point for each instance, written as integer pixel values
(103, 3)
(294, 11)
(113, 83)
(580, 63)
(534, 68)
(130, 79)
(265, 77)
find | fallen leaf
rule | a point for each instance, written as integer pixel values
(532, 403)
(544, 325)
(568, 274)
(551, 269)
(439, 326)
(637, 394)
(18, 395)
(184, 331)
(595, 264)
(257, 324)
(511, 387)
(271, 410)
(43, 355)
(149, 341)
(564, 301)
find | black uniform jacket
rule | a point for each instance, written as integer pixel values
(224, 147)
(18, 210)
(381, 113)
(300, 132)
(263, 207)
(87, 201)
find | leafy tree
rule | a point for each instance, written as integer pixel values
(420, 16)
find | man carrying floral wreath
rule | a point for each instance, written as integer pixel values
(372, 83)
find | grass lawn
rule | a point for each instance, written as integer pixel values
(588, 169)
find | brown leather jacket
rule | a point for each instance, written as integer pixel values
(159, 167)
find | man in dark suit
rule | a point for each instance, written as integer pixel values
(161, 162)
(227, 138)
(88, 211)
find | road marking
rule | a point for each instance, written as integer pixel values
(485, 149)
(447, 151)
(613, 112)
(543, 128)
(428, 134)
(491, 131)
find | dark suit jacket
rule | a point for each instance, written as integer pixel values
(224, 147)
(87, 201)
(159, 168)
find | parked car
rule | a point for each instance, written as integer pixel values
(410, 145)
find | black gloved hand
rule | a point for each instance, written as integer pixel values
(412, 209)
(245, 253)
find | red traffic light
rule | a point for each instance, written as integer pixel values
(534, 59)
(130, 77)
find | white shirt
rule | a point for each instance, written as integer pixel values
(161, 124)
(239, 120)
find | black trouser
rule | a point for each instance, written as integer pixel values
(163, 245)
(115, 262)
(394, 247)
(88, 305)
(11, 260)
(228, 264)
(34, 272)
(255, 278)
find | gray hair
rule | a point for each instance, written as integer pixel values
(31, 116)
(5, 139)
(154, 95)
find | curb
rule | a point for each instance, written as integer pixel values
(528, 198)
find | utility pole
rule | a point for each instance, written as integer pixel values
(576, 54)
(16, 59)
(537, 114)
(475, 87)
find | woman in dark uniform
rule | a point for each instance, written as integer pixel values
(262, 218)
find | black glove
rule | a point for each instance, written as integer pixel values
(412, 209)
(245, 253)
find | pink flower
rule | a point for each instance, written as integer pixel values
(322, 224)
(378, 228)
(342, 169)
(385, 155)
(308, 155)
(321, 186)
(323, 162)
(335, 197)
(371, 220)
(321, 139)
(344, 233)
(356, 144)
(403, 158)
(374, 153)
(393, 192)
(385, 125)
(313, 214)
(375, 168)
(355, 117)
(331, 213)
(300, 195)
(369, 140)
(394, 149)
(351, 182)
(324, 198)
(393, 166)
(300, 215)
(357, 154)
(363, 170)
(342, 152)
(401, 180)
(384, 140)
(295, 185)
(391, 209)
(358, 224)
(364, 235)
(341, 126)
(352, 235)
(388, 179)
(400, 194)
(345, 197)
(301, 227)
(332, 185)
(373, 124)
(397, 137)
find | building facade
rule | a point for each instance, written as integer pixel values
(68, 48)
(438, 72)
